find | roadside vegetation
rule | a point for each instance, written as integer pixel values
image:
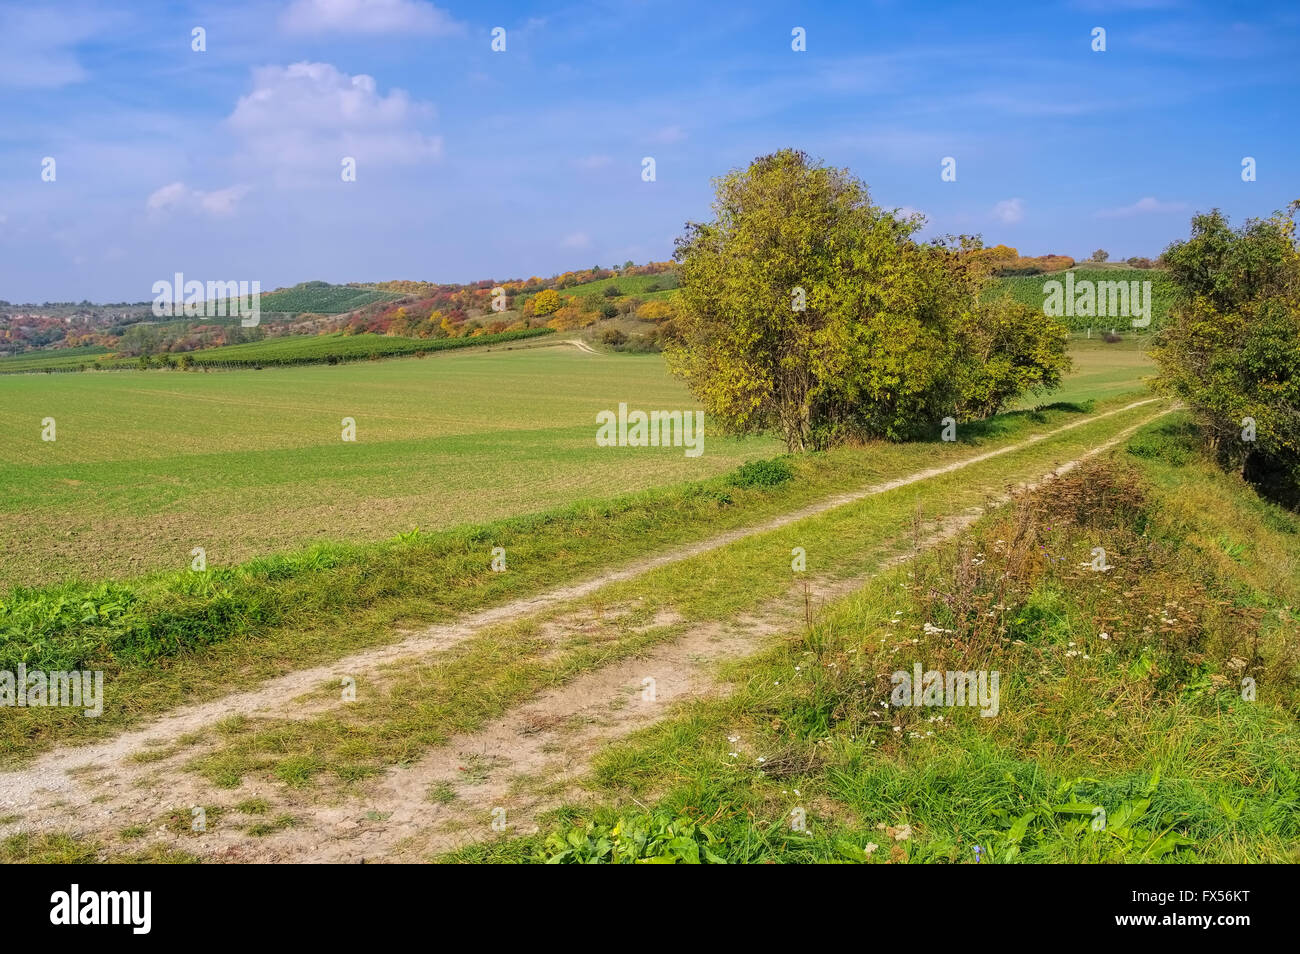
(1147, 714)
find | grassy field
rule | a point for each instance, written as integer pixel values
(178, 635)
(148, 465)
(1101, 370)
(314, 349)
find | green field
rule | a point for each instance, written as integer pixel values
(314, 349)
(1100, 371)
(322, 298)
(148, 465)
(1029, 290)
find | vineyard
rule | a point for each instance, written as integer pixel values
(60, 359)
(335, 348)
(1029, 289)
(282, 351)
(322, 298)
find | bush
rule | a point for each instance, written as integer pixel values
(656, 311)
(1231, 350)
(761, 473)
(545, 302)
(640, 344)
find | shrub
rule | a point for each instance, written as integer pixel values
(656, 311)
(1231, 350)
(640, 344)
(545, 302)
(761, 473)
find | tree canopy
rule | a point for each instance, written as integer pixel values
(1231, 349)
(808, 311)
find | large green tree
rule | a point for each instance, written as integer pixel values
(1231, 349)
(810, 312)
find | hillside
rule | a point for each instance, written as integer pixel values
(322, 298)
(335, 348)
(1029, 289)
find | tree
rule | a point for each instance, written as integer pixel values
(808, 311)
(1014, 354)
(1231, 346)
(546, 302)
(1100, 255)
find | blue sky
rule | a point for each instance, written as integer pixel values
(225, 164)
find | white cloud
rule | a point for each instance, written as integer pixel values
(1009, 211)
(369, 16)
(311, 115)
(593, 162)
(178, 197)
(1145, 206)
(576, 240)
